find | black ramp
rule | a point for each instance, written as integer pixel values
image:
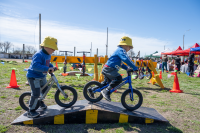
(90, 113)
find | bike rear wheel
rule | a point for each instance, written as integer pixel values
(126, 100)
(148, 75)
(134, 75)
(24, 100)
(97, 96)
(70, 100)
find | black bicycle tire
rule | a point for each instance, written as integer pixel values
(85, 91)
(74, 98)
(136, 76)
(142, 76)
(149, 76)
(126, 105)
(21, 101)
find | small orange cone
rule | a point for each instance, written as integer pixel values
(57, 65)
(64, 74)
(176, 88)
(13, 81)
(160, 76)
(115, 91)
(71, 68)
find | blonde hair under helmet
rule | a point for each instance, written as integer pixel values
(127, 41)
(50, 42)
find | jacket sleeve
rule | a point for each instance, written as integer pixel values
(124, 57)
(124, 66)
(37, 64)
(50, 65)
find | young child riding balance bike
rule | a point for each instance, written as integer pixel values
(37, 72)
(112, 66)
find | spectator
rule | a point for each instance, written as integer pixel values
(178, 63)
(191, 64)
(164, 63)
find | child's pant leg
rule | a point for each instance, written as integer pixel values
(106, 80)
(116, 81)
(112, 74)
(35, 92)
(42, 83)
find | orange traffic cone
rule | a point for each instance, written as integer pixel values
(176, 88)
(13, 81)
(115, 91)
(56, 65)
(160, 76)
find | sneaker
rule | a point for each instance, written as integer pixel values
(33, 114)
(106, 94)
(91, 94)
(42, 105)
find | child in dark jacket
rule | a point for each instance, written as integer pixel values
(37, 72)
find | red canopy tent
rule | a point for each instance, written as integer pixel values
(181, 52)
(173, 52)
(187, 51)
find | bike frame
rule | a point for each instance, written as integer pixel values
(52, 80)
(65, 65)
(83, 66)
(124, 81)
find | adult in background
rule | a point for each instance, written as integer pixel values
(178, 63)
(164, 63)
(191, 64)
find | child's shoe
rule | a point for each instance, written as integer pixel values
(32, 114)
(42, 105)
(106, 94)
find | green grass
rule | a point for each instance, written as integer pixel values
(3, 128)
(181, 109)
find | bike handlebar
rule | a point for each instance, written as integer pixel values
(50, 71)
(66, 51)
(83, 52)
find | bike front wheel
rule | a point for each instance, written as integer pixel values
(24, 100)
(90, 96)
(131, 104)
(69, 100)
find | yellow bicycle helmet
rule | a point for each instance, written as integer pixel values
(50, 42)
(126, 41)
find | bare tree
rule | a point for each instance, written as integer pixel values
(30, 49)
(17, 50)
(6, 46)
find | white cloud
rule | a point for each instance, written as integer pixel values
(25, 31)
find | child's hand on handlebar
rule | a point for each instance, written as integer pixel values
(51, 69)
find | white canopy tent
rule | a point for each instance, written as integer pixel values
(159, 53)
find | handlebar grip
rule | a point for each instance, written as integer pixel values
(55, 68)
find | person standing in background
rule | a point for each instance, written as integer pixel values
(191, 64)
(178, 63)
(164, 63)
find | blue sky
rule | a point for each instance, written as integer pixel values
(150, 23)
